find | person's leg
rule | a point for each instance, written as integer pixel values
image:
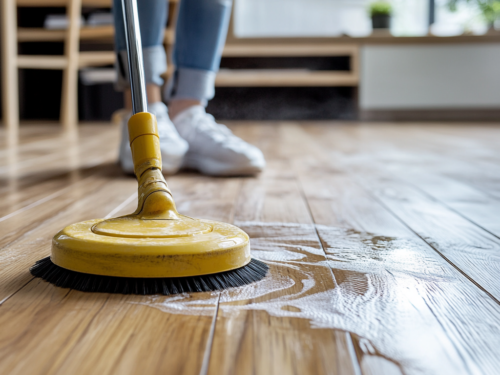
(213, 149)
(200, 36)
(152, 20)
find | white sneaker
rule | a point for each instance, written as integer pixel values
(173, 147)
(213, 148)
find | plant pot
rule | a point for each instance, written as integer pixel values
(381, 21)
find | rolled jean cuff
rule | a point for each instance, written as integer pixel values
(155, 64)
(189, 83)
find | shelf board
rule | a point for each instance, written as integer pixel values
(62, 3)
(269, 78)
(96, 58)
(291, 50)
(41, 62)
(85, 59)
(374, 39)
(97, 32)
(31, 34)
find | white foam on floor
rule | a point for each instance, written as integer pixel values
(389, 291)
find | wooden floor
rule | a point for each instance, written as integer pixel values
(383, 242)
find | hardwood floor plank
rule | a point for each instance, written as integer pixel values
(472, 161)
(467, 148)
(22, 199)
(25, 220)
(33, 179)
(417, 311)
(32, 132)
(471, 203)
(32, 238)
(470, 248)
(57, 331)
(129, 337)
(476, 149)
(146, 328)
(111, 334)
(344, 215)
(161, 320)
(262, 328)
(430, 175)
(489, 185)
(467, 246)
(65, 152)
(205, 197)
(28, 190)
(272, 327)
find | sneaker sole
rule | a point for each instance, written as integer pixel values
(218, 168)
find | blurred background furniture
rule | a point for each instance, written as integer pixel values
(407, 73)
(393, 77)
(72, 35)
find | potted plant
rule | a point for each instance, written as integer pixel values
(380, 12)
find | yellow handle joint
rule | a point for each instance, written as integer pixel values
(155, 200)
(144, 142)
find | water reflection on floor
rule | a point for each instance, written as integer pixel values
(374, 276)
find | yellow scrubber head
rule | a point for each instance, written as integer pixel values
(153, 244)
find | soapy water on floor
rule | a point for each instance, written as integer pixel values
(377, 287)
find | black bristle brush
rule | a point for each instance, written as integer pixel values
(84, 282)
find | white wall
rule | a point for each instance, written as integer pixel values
(283, 18)
(288, 18)
(430, 77)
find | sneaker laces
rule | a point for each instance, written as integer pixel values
(204, 123)
(166, 128)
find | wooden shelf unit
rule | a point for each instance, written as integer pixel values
(70, 62)
(289, 77)
(63, 3)
(284, 78)
(33, 34)
(235, 47)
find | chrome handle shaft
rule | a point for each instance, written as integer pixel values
(134, 52)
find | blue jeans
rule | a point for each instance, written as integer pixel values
(200, 37)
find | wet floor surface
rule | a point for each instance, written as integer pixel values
(381, 239)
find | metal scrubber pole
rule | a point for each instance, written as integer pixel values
(134, 52)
